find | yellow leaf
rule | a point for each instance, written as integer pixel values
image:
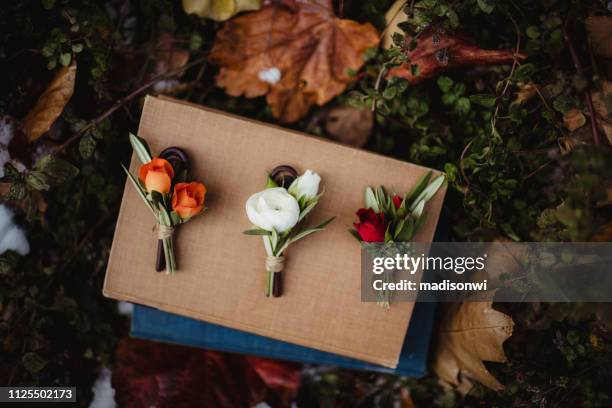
(51, 103)
(573, 119)
(471, 332)
(525, 92)
(394, 16)
(219, 10)
(599, 29)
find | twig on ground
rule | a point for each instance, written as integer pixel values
(123, 101)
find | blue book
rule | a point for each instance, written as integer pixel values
(154, 324)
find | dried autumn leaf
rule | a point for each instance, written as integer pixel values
(437, 51)
(394, 16)
(219, 10)
(168, 56)
(51, 103)
(602, 104)
(471, 332)
(573, 119)
(349, 125)
(297, 53)
(525, 92)
(599, 29)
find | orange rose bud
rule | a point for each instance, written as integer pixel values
(157, 175)
(188, 199)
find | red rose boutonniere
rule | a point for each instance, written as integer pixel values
(388, 218)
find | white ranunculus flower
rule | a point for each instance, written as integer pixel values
(306, 185)
(273, 208)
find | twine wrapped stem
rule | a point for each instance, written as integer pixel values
(275, 266)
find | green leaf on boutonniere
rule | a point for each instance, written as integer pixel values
(139, 189)
(355, 234)
(176, 219)
(418, 209)
(407, 231)
(428, 192)
(163, 216)
(306, 232)
(156, 197)
(308, 209)
(256, 231)
(414, 193)
(388, 236)
(141, 148)
(270, 183)
(370, 200)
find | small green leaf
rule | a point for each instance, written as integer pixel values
(65, 59)
(270, 183)
(486, 6)
(37, 180)
(76, 48)
(141, 148)
(56, 171)
(87, 146)
(486, 100)
(444, 83)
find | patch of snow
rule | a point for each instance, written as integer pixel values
(125, 308)
(270, 75)
(104, 394)
(11, 236)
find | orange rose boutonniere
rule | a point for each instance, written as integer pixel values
(162, 186)
(188, 199)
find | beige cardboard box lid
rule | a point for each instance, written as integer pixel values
(221, 275)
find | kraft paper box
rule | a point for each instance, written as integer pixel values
(221, 275)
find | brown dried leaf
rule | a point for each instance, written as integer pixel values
(602, 100)
(349, 125)
(573, 119)
(525, 92)
(219, 10)
(599, 29)
(51, 103)
(297, 53)
(469, 333)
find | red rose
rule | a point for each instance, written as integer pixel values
(371, 226)
(397, 201)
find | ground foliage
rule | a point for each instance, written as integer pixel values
(517, 142)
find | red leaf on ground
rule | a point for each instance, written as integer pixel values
(154, 374)
(437, 51)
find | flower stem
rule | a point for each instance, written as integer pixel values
(169, 255)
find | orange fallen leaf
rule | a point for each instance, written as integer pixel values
(438, 51)
(297, 53)
(349, 125)
(51, 103)
(573, 119)
(471, 332)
